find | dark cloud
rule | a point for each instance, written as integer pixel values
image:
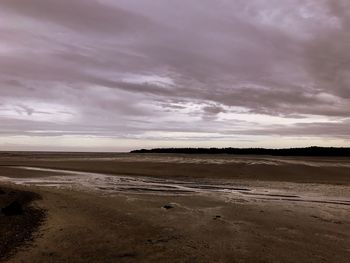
(81, 16)
(328, 57)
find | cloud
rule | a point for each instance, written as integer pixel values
(80, 16)
(130, 69)
(327, 55)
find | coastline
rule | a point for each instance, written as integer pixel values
(86, 225)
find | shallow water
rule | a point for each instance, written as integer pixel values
(109, 184)
(217, 159)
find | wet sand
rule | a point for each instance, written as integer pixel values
(19, 220)
(185, 209)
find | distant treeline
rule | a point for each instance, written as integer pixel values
(308, 151)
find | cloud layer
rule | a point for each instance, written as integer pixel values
(160, 73)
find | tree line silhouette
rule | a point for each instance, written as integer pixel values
(306, 151)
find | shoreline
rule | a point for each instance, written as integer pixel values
(294, 170)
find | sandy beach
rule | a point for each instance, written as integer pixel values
(178, 208)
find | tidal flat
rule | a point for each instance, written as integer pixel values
(105, 207)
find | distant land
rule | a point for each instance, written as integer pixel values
(306, 151)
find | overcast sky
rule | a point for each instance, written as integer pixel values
(111, 75)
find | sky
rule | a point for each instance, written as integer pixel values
(106, 75)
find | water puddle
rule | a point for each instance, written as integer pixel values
(110, 184)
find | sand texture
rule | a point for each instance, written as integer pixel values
(177, 208)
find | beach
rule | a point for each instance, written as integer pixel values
(181, 208)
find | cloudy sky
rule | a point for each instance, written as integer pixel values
(114, 75)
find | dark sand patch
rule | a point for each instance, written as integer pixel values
(18, 220)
